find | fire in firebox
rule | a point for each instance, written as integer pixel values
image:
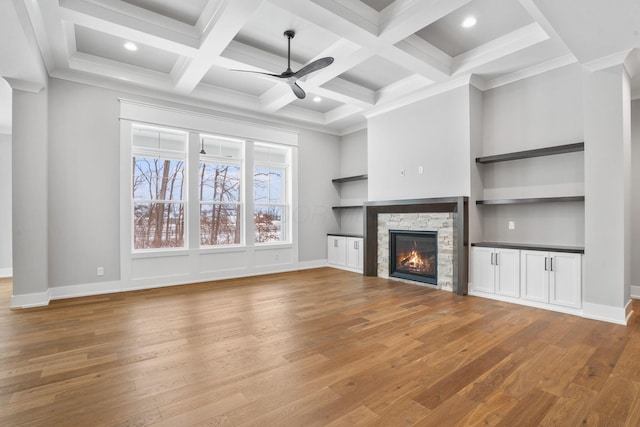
(413, 255)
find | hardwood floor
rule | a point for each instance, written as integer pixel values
(317, 347)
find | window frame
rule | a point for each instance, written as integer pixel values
(165, 154)
(287, 205)
(220, 159)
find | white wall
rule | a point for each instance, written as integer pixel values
(635, 195)
(541, 111)
(84, 185)
(6, 259)
(432, 133)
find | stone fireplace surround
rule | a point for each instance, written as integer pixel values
(402, 214)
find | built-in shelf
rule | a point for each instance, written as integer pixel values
(531, 247)
(350, 178)
(539, 152)
(530, 200)
(347, 207)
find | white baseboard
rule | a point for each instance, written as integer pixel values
(606, 313)
(6, 272)
(635, 292)
(102, 288)
(38, 299)
(84, 290)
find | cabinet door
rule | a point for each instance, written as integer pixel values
(354, 253)
(483, 270)
(534, 278)
(507, 265)
(337, 250)
(565, 279)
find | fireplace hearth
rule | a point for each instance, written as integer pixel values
(413, 255)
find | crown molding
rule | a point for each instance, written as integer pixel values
(534, 70)
(25, 86)
(609, 61)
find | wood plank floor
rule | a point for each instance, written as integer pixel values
(314, 348)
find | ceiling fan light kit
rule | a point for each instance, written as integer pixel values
(291, 77)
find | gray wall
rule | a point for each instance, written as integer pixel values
(84, 198)
(318, 164)
(353, 161)
(84, 185)
(6, 262)
(541, 111)
(432, 133)
(635, 193)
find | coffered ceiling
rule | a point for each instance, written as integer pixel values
(385, 51)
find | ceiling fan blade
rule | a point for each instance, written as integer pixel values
(280, 76)
(297, 90)
(316, 65)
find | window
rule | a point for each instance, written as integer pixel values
(158, 188)
(232, 193)
(220, 176)
(270, 193)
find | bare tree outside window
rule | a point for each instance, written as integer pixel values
(269, 204)
(158, 208)
(220, 211)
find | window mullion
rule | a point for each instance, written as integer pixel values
(248, 194)
(193, 188)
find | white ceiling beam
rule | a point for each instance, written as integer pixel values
(405, 17)
(401, 88)
(341, 112)
(515, 41)
(50, 34)
(426, 52)
(230, 17)
(117, 70)
(175, 39)
(328, 14)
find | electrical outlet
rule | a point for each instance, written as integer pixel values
(420, 170)
(512, 225)
(100, 271)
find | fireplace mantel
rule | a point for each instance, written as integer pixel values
(456, 205)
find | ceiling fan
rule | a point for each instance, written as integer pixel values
(291, 77)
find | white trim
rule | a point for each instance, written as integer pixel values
(201, 122)
(6, 272)
(528, 303)
(635, 292)
(84, 290)
(531, 71)
(39, 299)
(103, 288)
(355, 270)
(608, 61)
(605, 313)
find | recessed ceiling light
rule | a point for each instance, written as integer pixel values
(317, 99)
(469, 21)
(130, 46)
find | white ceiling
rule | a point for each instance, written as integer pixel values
(384, 50)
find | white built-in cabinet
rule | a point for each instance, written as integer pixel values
(354, 253)
(345, 252)
(548, 279)
(497, 270)
(552, 277)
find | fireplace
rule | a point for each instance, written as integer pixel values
(413, 255)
